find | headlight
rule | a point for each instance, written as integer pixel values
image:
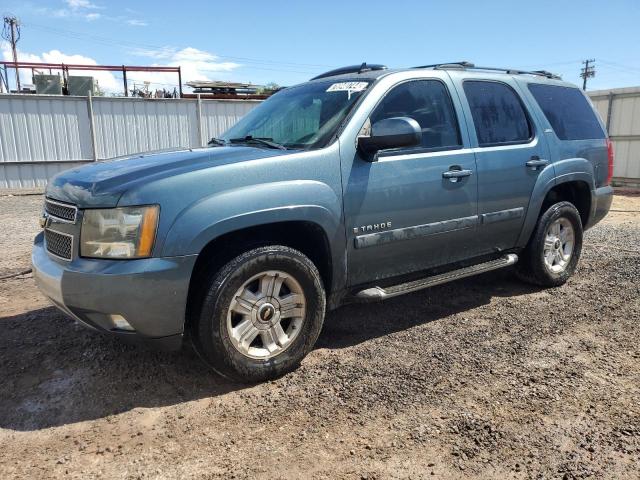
(127, 232)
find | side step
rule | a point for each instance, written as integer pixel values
(379, 293)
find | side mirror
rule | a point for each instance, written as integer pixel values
(393, 132)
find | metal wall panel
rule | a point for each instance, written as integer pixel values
(218, 115)
(126, 126)
(43, 135)
(622, 107)
(31, 175)
(43, 128)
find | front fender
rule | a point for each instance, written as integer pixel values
(249, 206)
(568, 170)
(235, 209)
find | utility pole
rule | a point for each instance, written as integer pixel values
(588, 71)
(11, 33)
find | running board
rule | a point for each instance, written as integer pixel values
(379, 293)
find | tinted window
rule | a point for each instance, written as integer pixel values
(429, 104)
(568, 112)
(497, 113)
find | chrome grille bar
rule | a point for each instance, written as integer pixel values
(61, 211)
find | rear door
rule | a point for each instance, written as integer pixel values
(510, 151)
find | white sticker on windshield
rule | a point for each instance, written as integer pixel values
(349, 87)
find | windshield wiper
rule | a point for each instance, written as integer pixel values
(216, 142)
(268, 142)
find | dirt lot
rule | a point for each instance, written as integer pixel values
(485, 377)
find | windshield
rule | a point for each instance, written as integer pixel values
(299, 117)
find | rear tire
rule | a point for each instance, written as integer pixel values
(260, 314)
(554, 249)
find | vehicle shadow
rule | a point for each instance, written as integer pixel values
(359, 322)
(55, 372)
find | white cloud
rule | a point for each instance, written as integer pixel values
(137, 23)
(195, 64)
(78, 4)
(86, 10)
(106, 80)
(160, 53)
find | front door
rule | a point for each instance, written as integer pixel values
(413, 208)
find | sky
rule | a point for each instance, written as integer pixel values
(289, 42)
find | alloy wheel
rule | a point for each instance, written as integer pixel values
(266, 314)
(558, 245)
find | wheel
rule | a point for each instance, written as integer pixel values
(260, 314)
(554, 249)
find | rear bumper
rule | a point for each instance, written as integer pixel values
(601, 200)
(151, 294)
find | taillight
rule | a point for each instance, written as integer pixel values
(610, 158)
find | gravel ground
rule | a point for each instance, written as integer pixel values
(482, 378)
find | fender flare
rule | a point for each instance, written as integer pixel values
(564, 171)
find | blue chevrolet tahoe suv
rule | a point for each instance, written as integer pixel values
(361, 184)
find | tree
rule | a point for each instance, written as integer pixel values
(97, 91)
(268, 88)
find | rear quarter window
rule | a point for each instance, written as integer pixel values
(568, 112)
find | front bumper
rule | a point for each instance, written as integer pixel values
(151, 294)
(600, 204)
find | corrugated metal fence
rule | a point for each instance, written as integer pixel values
(43, 135)
(620, 111)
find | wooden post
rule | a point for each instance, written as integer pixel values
(124, 80)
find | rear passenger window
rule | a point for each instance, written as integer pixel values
(497, 112)
(429, 104)
(568, 112)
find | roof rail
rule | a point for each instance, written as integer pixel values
(471, 66)
(363, 67)
(463, 64)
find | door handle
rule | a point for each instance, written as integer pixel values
(536, 162)
(455, 175)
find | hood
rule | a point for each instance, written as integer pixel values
(101, 184)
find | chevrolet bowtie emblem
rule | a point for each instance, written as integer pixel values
(45, 220)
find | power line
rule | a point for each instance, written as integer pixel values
(547, 65)
(588, 71)
(112, 42)
(620, 66)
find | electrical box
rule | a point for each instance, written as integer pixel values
(48, 84)
(80, 86)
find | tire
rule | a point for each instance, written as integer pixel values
(546, 264)
(236, 303)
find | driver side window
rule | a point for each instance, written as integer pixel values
(428, 103)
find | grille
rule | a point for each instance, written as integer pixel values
(59, 244)
(60, 210)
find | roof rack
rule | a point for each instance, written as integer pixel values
(470, 66)
(363, 67)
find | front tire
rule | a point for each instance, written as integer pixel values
(260, 314)
(554, 249)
